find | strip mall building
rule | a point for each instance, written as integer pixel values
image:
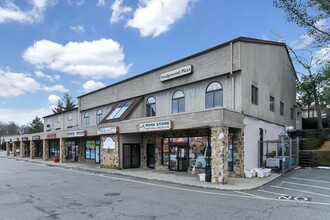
(204, 112)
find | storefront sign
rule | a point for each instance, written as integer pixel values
(36, 137)
(108, 130)
(51, 136)
(16, 139)
(80, 133)
(156, 126)
(9, 140)
(109, 143)
(176, 73)
(25, 138)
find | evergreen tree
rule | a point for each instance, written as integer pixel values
(64, 104)
(36, 126)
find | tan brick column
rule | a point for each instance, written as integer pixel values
(219, 154)
(15, 147)
(22, 150)
(7, 149)
(32, 149)
(45, 150)
(62, 150)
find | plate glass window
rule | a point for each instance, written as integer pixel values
(254, 95)
(178, 102)
(99, 115)
(214, 95)
(86, 119)
(272, 103)
(151, 107)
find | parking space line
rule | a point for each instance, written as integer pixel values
(318, 181)
(298, 190)
(248, 194)
(273, 193)
(299, 184)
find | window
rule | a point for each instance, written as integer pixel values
(213, 97)
(272, 103)
(291, 113)
(254, 95)
(70, 116)
(86, 119)
(151, 107)
(58, 119)
(119, 110)
(178, 102)
(90, 149)
(99, 115)
(282, 108)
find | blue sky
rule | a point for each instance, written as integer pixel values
(49, 47)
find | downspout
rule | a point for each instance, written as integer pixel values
(232, 76)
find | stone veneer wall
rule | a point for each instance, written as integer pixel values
(147, 138)
(7, 149)
(238, 152)
(14, 148)
(45, 150)
(158, 154)
(22, 150)
(62, 150)
(219, 154)
(33, 149)
(110, 157)
(81, 150)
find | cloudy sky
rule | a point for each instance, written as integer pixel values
(49, 47)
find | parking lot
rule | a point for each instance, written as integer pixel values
(301, 185)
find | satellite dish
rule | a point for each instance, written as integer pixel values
(289, 129)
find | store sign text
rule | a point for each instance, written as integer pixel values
(176, 73)
(36, 137)
(25, 138)
(50, 136)
(80, 133)
(156, 126)
(108, 130)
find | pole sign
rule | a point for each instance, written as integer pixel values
(156, 126)
(108, 130)
(176, 73)
(80, 133)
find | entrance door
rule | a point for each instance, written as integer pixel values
(97, 154)
(261, 147)
(131, 155)
(151, 156)
(179, 158)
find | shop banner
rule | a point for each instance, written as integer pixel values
(108, 130)
(51, 136)
(36, 137)
(156, 126)
(80, 133)
(25, 138)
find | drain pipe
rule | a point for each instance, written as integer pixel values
(232, 77)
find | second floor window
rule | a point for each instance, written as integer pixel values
(213, 97)
(151, 107)
(70, 116)
(86, 119)
(99, 115)
(272, 103)
(254, 95)
(178, 102)
(281, 108)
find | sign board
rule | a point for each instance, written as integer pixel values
(108, 130)
(25, 138)
(36, 137)
(156, 126)
(109, 143)
(80, 133)
(16, 139)
(51, 136)
(9, 140)
(176, 73)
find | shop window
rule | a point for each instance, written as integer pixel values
(254, 95)
(151, 107)
(119, 110)
(165, 152)
(178, 102)
(198, 152)
(213, 97)
(90, 149)
(86, 119)
(54, 149)
(282, 108)
(272, 103)
(99, 115)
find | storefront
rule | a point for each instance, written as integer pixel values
(54, 148)
(71, 149)
(26, 147)
(92, 150)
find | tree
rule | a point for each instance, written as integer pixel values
(64, 104)
(36, 126)
(308, 14)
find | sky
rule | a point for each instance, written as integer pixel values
(50, 47)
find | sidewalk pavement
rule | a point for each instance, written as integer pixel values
(158, 175)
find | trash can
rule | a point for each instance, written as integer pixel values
(208, 173)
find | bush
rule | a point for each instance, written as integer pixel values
(310, 144)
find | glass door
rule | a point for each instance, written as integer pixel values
(97, 149)
(183, 158)
(173, 158)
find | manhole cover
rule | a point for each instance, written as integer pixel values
(112, 194)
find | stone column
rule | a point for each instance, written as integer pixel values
(7, 149)
(110, 157)
(238, 147)
(62, 150)
(158, 152)
(219, 154)
(81, 150)
(32, 149)
(22, 149)
(45, 149)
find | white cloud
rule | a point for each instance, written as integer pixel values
(78, 29)
(57, 88)
(15, 84)
(118, 11)
(101, 3)
(96, 59)
(154, 17)
(80, 2)
(91, 85)
(48, 77)
(22, 116)
(53, 99)
(9, 11)
(322, 56)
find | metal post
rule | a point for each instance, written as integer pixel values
(283, 157)
(258, 154)
(297, 162)
(290, 158)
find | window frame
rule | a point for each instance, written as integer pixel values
(291, 113)
(69, 116)
(213, 93)
(86, 119)
(151, 106)
(120, 109)
(282, 108)
(272, 103)
(254, 95)
(179, 101)
(99, 115)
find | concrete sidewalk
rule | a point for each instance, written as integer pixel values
(158, 175)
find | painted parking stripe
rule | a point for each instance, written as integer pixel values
(299, 184)
(317, 181)
(248, 194)
(298, 190)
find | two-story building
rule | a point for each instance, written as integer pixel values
(203, 112)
